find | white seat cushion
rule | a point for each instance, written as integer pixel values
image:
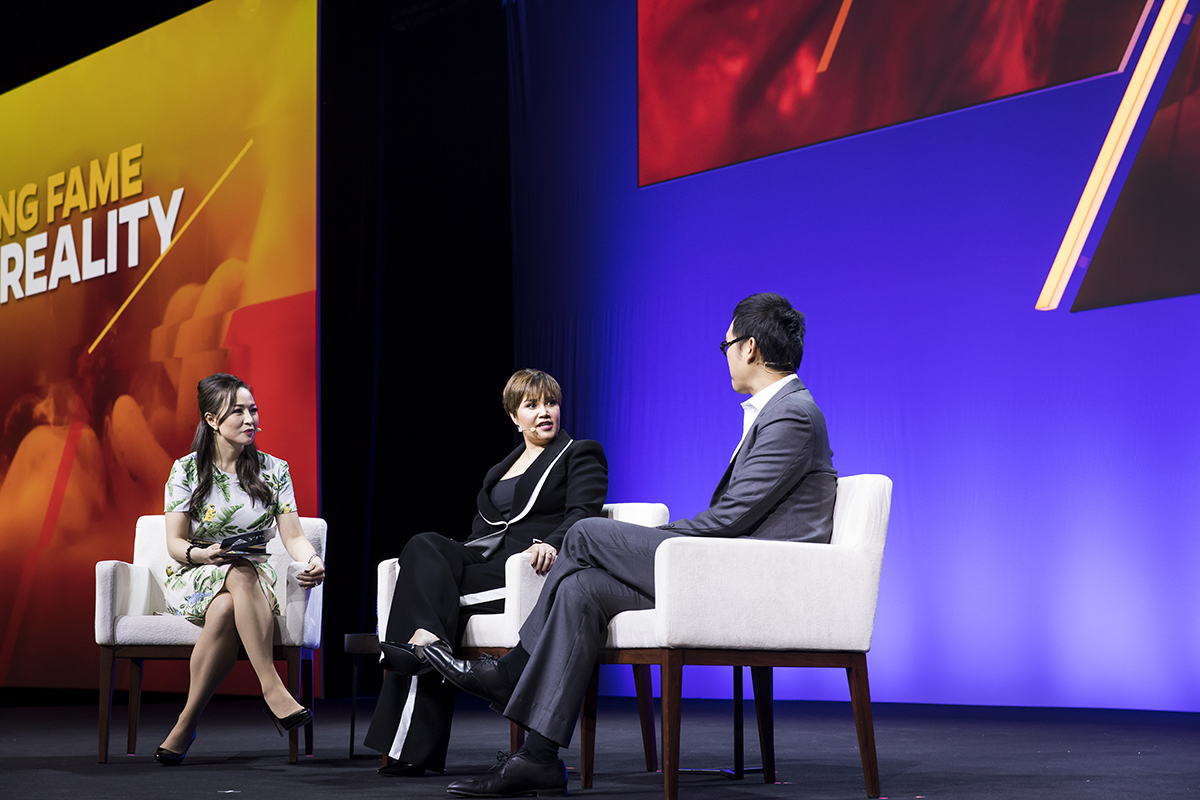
(632, 629)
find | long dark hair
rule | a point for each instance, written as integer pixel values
(216, 395)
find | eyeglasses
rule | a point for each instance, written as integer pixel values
(726, 345)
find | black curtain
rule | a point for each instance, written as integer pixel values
(416, 284)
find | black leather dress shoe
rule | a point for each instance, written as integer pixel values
(515, 775)
(481, 677)
(403, 659)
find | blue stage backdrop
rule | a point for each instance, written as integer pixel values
(1045, 525)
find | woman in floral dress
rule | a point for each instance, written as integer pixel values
(223, 488)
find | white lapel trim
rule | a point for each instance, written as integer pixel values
(536, 491)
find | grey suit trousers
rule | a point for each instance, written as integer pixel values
(605, 567)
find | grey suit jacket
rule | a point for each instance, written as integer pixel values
(781, 484)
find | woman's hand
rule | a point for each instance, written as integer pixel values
(314, 575)
(541, 557)
(213, 554)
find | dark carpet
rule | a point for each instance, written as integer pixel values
(924, 752)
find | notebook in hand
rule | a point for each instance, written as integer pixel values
(252, 543)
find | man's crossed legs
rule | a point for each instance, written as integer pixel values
(605, 567)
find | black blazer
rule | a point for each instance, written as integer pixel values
(575, 485)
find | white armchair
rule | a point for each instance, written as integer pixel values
(499, 633)
(132, 621)
(763, 604)
(493, 633)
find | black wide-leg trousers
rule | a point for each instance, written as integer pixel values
(412, 718)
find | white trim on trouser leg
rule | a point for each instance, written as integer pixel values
(487, 596)
(405, 720)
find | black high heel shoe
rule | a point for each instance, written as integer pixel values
(401, 769)
(169, 758)
(404, 658)
(291, 721)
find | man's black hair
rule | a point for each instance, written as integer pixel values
(777, 328)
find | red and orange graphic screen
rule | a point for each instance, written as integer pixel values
(723, 82)
(157, 224)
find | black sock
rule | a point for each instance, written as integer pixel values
(540, 749)
(512, 663)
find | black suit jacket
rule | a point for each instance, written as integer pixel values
(575, 484)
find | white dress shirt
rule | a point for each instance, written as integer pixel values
(752, 406)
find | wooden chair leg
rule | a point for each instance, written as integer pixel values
(672, 693)
(307, 666)
(135, 702)
(516, 737)
(739, 726)
(107, 668)
(645, 698)
(764, 712)
(587, 730)
(860, 702)
(293, 685)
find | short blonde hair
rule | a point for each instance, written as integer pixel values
(529, 383)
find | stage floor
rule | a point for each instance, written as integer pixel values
(924, 752)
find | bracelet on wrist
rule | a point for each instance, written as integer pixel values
(188, 555)
(310, 558)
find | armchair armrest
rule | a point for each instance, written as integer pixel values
(521, 589)
(385, 587)
(649, 514)
(123, 589)
(300, 610)
(765, 595)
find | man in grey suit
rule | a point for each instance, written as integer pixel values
(780, 484)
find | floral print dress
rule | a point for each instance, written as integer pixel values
(227, 511)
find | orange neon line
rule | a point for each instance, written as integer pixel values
(158, 261)
(833, 35)
(1148, 66)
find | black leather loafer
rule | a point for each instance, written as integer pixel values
(515, 775)
(403, 659)
(481, 677)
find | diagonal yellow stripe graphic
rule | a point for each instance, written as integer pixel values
(158, 261)
(1109, 159)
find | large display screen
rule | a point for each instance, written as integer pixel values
(722, 83)
(1149, 245)
(157, 224)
